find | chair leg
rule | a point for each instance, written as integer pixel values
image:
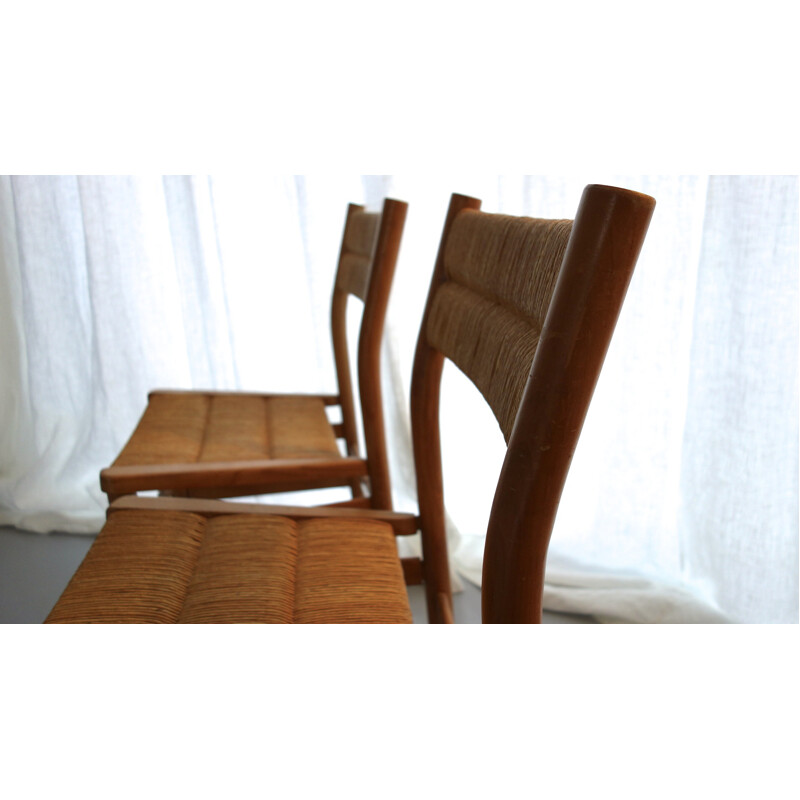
(357, 488)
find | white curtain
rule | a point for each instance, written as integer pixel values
(681, 504)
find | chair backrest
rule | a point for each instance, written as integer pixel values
(525, 308)
(367, 261)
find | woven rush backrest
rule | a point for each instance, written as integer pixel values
(499, 275)
(358, 246)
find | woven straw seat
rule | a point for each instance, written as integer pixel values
(231, 444)
(200, 427)
(177, 567)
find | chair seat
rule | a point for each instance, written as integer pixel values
(206, 427)
(179, 567)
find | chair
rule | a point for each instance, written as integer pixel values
(526, 309)
(233, 444)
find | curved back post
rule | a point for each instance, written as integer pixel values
(366, 268)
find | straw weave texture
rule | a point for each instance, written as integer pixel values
(245, 573)
(349, 574)
(487, 316)
(359, 244)
(362, 228)
(137, 570)
(175, 567)
(188, 428)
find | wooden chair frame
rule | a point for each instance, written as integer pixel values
(542, 427)
(263, 476)
(606, 237)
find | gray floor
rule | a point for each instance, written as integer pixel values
(35, 568)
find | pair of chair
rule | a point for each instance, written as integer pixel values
(524, 307)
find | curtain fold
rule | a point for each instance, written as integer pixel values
(738, 506)
(681, 503)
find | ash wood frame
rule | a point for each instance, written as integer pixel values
(244, 478)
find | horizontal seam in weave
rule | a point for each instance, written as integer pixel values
(519, 315)
(494, 300)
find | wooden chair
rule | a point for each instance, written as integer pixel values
(524, 307)
(233, 444)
